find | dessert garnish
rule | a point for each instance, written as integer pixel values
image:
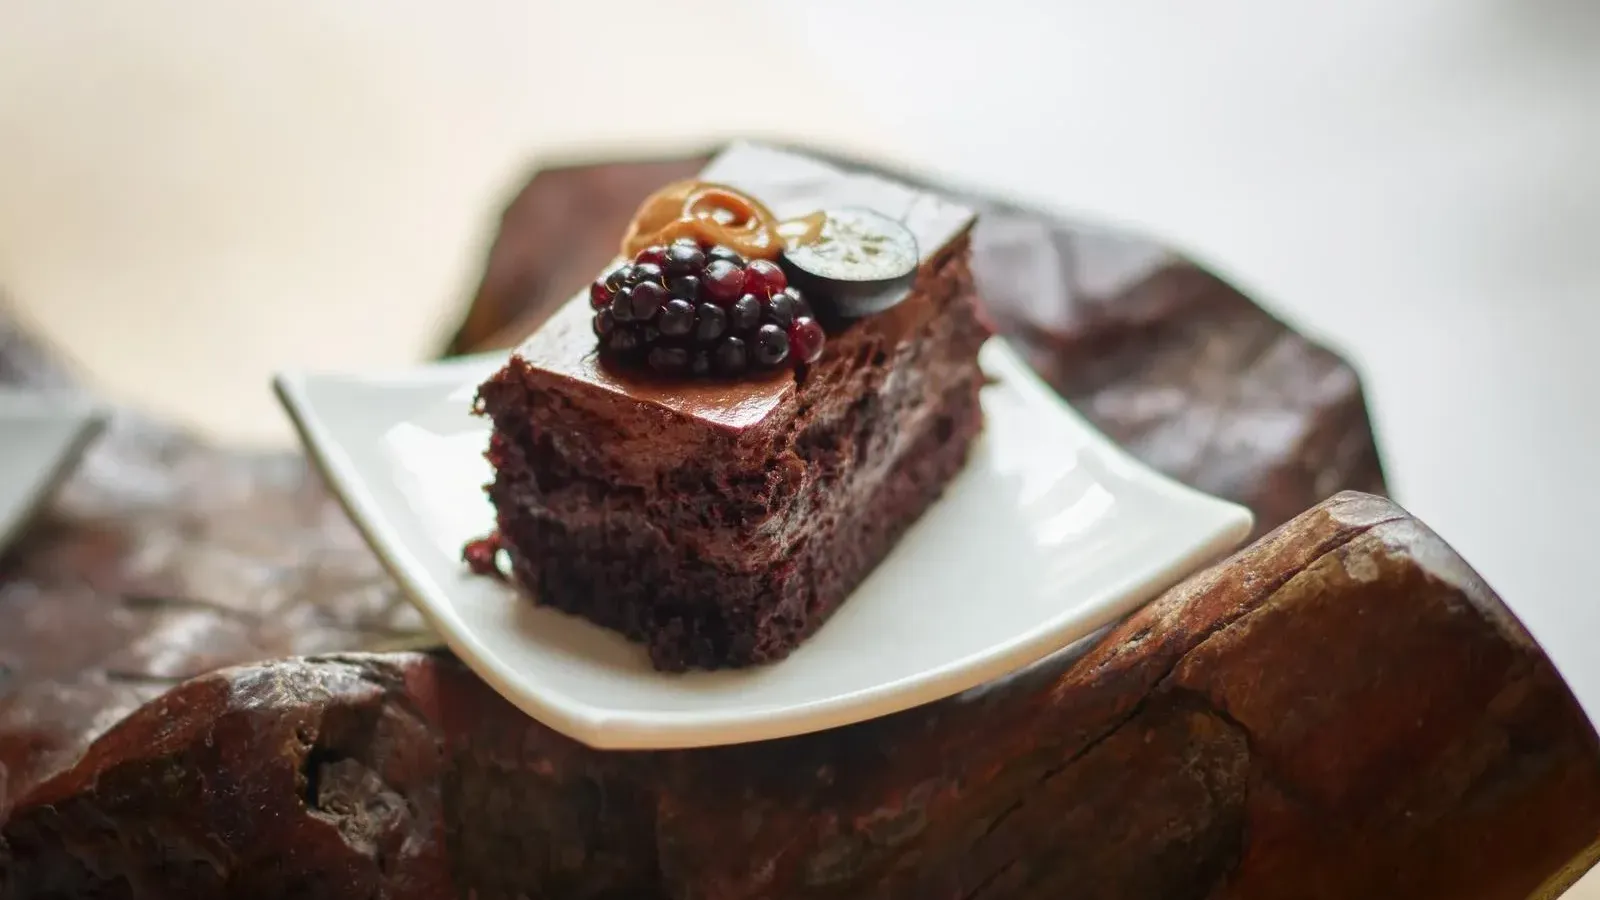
(701, 294)
(862, 261)
(715, 284)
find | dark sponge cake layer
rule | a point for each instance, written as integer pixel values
(693, 613)
(722, 524)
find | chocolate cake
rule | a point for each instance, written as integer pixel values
(720, 514)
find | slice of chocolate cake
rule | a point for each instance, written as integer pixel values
(682, 455)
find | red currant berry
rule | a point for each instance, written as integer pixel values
(655, 256)
(722, 282)
(763, 278)
(806, 339)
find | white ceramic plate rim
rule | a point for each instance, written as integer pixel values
(647, 730)
(84, 420)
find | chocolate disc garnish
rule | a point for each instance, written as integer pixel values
(858, 263)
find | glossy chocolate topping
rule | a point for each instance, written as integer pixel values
(790, 187)
(565, 346)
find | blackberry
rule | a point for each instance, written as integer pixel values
(745, 315)
(710, 321)
(648, 298)
(676, 319)
(647, 272)
(622, 305)
(668, 359)
(618, 277)
(685, 287)
(731, 356)
(687, 309)
(771, 345)
(623, 341)
(781, 309)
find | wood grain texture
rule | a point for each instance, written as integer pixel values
(1341, 709)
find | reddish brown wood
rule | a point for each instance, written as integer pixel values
(1342, 710)
(162, 559)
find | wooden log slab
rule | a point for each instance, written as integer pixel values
(1343, 709)
(163, 559)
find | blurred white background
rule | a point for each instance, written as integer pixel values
(196, 192)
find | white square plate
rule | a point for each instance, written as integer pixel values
(41, 438)
(1048, 534)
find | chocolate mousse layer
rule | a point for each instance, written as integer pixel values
(721, 522)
